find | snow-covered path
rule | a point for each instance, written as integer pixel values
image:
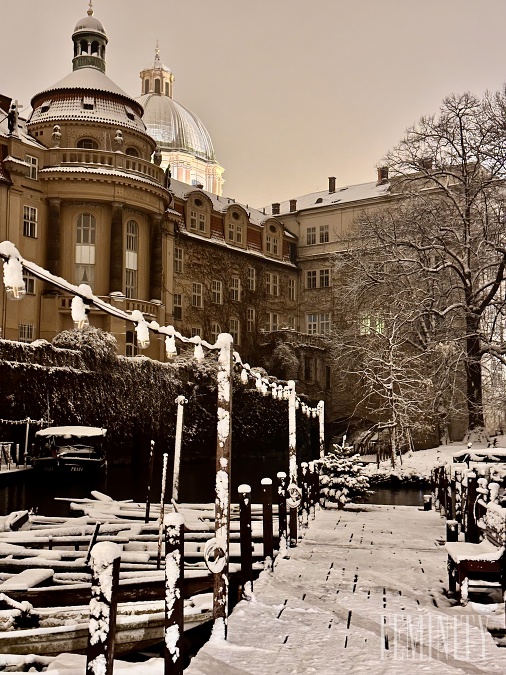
(362, 593)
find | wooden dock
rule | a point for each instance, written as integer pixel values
(365, 591)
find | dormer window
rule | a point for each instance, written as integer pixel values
(198, 216)
(44, 108)
(235, 227)
(88, 103)
(129, 113)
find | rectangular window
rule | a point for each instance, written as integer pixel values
(235, 232)
(324, 234)
(252, 279)
(291, 289)
(308, 368)
(29, 280)
(197, 294)
(318, 323)
(130, 283)
(33, 167)
(178, 260)
(131, 343)
(26, 332)
(272, 283)
(272, 321)
(325, 323)
(238, 234)
(250, 320)
(202, 222)
(193, 220)
(235, 288)
(370, 325)
(217, 292)
(291, 322)
(215, 331)
(312, 324)
(311, 236)
(234, 330)
(311, 279)
(30, 221)
(324, 278)
(178, 306)
(195, 330)
(85, 274)
(272, 245)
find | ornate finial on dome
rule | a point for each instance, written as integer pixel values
(90, 8)
(157, 51)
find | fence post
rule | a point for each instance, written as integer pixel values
(174, 600)
(162, 510)
(320, 408)
(150, 479)
(268, 537)
(246, 541)
(180, 400)
(304, 486)
(282, 525)
(104, 561)
(471, 529)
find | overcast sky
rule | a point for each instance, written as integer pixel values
(291, 91)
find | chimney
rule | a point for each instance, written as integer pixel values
(293, 205)
(332, 184)
(382, 175)
(275, 209)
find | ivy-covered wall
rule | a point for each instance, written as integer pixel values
(79, 379)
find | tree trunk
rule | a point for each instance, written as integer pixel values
(473, 375)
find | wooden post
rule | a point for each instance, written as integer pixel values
(28, 420)
(174, 600)
(304, 485)
(268, 537)
(293, 526)
(93, 541)
(222, 502)
(180, 400)
(282, 525)
(292, 432)
(471, 529)
(105, 561)
(150, 479)
(162, 510)
(452, 530)
(320, 409)
(246, 540)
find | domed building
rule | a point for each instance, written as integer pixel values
(184, 141)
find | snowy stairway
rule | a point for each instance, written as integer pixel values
(362, 593)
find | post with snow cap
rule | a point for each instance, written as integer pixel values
(320, 409)
(268, 536)
(282, 528)
(162, 509)
(150, 479)
(174, 600)
(180, 401)
(246, 541)
(222, 503)
(104, 561)
(292, 432)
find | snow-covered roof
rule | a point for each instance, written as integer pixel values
(342, 195)
(100, 171)
(22, 133)
(72, 432)
(86, 78)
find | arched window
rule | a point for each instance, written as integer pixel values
(84, 46)
(87, 144)
(166, 89)
(85, 249)
(131, 262)
(133, 152)
(157, 86)
(94, 48)
(198, 216)
(146, 86)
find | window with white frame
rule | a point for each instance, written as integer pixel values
(198, 219)
(195, 330)
(311, 279)
(234, 330)
(29, 280)
(324, 234)
(132, 247)
(30, 221)
(318, 323)
(131, 343)
(33, 167)
(197, 294)
(177, 305)
(324, 278)
(252, 279)
(250, 319)
(272, 283)
(291, 289)
(272, 245)
(217, 292)
(370, 325)
(291, 322)
(178, 260)
(311, 236)
(215, 331)
(272, 321)
(85, 249)
(235, 288)
(26, 332)
(235, 232)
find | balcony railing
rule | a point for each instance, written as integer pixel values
(106, 160)
(148, 309)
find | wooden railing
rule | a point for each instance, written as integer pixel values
(149, 309)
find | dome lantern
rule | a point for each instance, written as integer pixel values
(156, 77)
(90, 40)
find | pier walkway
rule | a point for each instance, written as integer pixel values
(364, 592)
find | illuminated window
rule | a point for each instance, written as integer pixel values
(318, 323)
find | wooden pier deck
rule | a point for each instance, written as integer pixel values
(364, 592)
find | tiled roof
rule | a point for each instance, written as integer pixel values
(86, 78)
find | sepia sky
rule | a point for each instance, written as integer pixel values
(291, 91)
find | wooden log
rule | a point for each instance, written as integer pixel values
(268, 535)
(174, 604)
(246, 543)
(105, 560)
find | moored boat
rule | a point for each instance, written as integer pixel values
(74, 449)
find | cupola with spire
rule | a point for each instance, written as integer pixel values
(90, 40)
(156, 77)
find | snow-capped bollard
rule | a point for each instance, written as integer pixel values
(293, 503)
(282, 512)
(174, 601)
(104, 562)
(180, 401)
(268, 537)
(246, 541)
(452, 530)
(427, 502)
(472, 530)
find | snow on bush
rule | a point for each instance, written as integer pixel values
(342, 476)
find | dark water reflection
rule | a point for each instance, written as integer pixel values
(409, 495)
